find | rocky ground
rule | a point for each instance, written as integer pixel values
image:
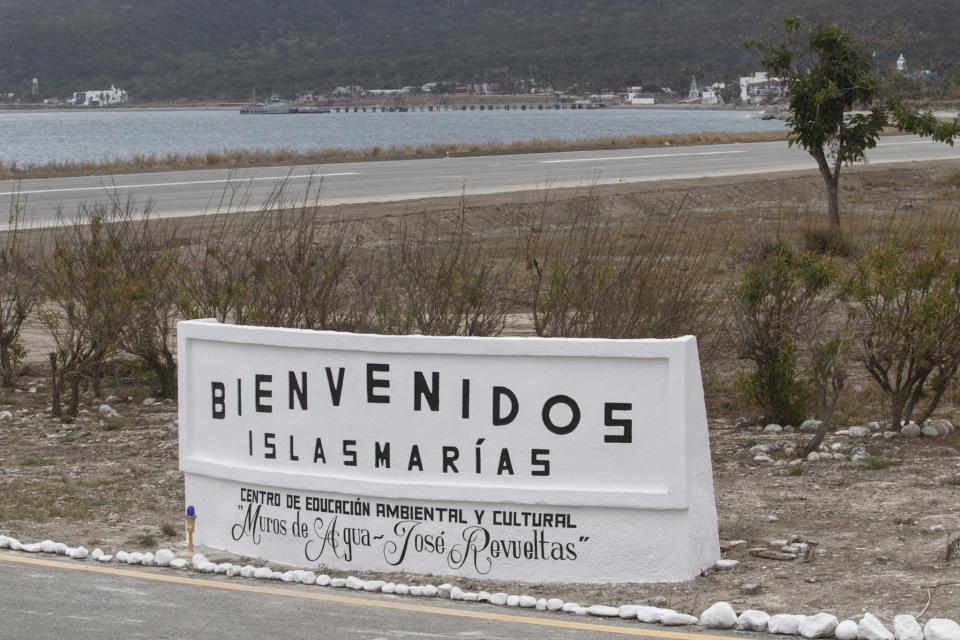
(864, 527)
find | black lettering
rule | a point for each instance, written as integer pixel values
(421, 391)
(293, 456)
(318, 454)
(465, 399)
(219, 393)
(415, 460)
(349, 454)
(377, 383)
(538, 459)
(381, 455)
(261, 394)
(450, 455)
(298, 388)
(505, 463)
(269, 446)
(498, 419)
(336, 390)
(626, 436)
(574, 419)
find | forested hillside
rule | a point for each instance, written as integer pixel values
(226, 49)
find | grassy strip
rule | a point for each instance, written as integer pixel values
(264, 157)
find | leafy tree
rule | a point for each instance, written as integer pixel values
(828, 74)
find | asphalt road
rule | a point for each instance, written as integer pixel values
(199, 191)
(58, 599)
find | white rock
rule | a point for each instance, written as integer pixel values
(498, 598)
(163, 557)
(198, 560)
(14, 544)
(374, 585)
(69, 551)
(32, 547)
(389, 587)
(513, 600)
(569, 607)
(941, 629)
(627, 611)
(48, 546)
(234, 570)
(930, 431)
(772, 428)
(603, 611)
(674, 619)
(786, 624)
(445, 588)
(456, 593)
(136, 558)
(122, 556)
(4, 542)
(246, 571)
(753, 620)
(354, 583)
(483, 596)
(813, 456)
(580, 611)
(468, 596)
(308, 578)
(402, 590)
(809, 426)
(541, 604)
(429, 591)
(910, 430)
(263, 573)
(276, 575)
(298, 576)
(906, 627)
(79, 553)
(554, 604)
(650, 615)
(527, 602)
(148, 559)
(416, 591)
(105, 410)
(5, 416)
(211, 567)
(323, 580)
(762, 458)
(821, 625)
(726, 564)
(96, 553)
(108, 558)
(859, 432)
(336, 583)
(870, 628)
(719, 616)
(286, 576)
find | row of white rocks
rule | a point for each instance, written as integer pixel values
(718, 616)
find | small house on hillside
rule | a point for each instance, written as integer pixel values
(112, 95)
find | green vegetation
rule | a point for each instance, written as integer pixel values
(37, 462)
(830, 75)
(878, 463)
(225, 49)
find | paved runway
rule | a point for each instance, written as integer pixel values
(47, 599)
(198, 191)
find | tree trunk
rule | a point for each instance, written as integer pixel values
(55, 387)
(6, 366)
(74, 407)
(832, 182)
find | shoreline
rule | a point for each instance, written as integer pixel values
(241, 158)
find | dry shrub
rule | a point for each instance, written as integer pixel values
(590, 277)
(429, 280)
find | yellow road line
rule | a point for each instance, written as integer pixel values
(360, 602)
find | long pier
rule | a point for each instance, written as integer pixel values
(449, 107)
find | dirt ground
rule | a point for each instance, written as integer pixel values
(883, 525)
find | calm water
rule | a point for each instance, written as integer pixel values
(39, 137)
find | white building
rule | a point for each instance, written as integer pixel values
(98, 98)
(759, 87)
(709, 96)
(901, 64)
(636, 95)
(694, 92)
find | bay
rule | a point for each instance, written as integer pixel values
(38, 137)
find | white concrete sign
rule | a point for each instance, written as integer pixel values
(502, 458)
